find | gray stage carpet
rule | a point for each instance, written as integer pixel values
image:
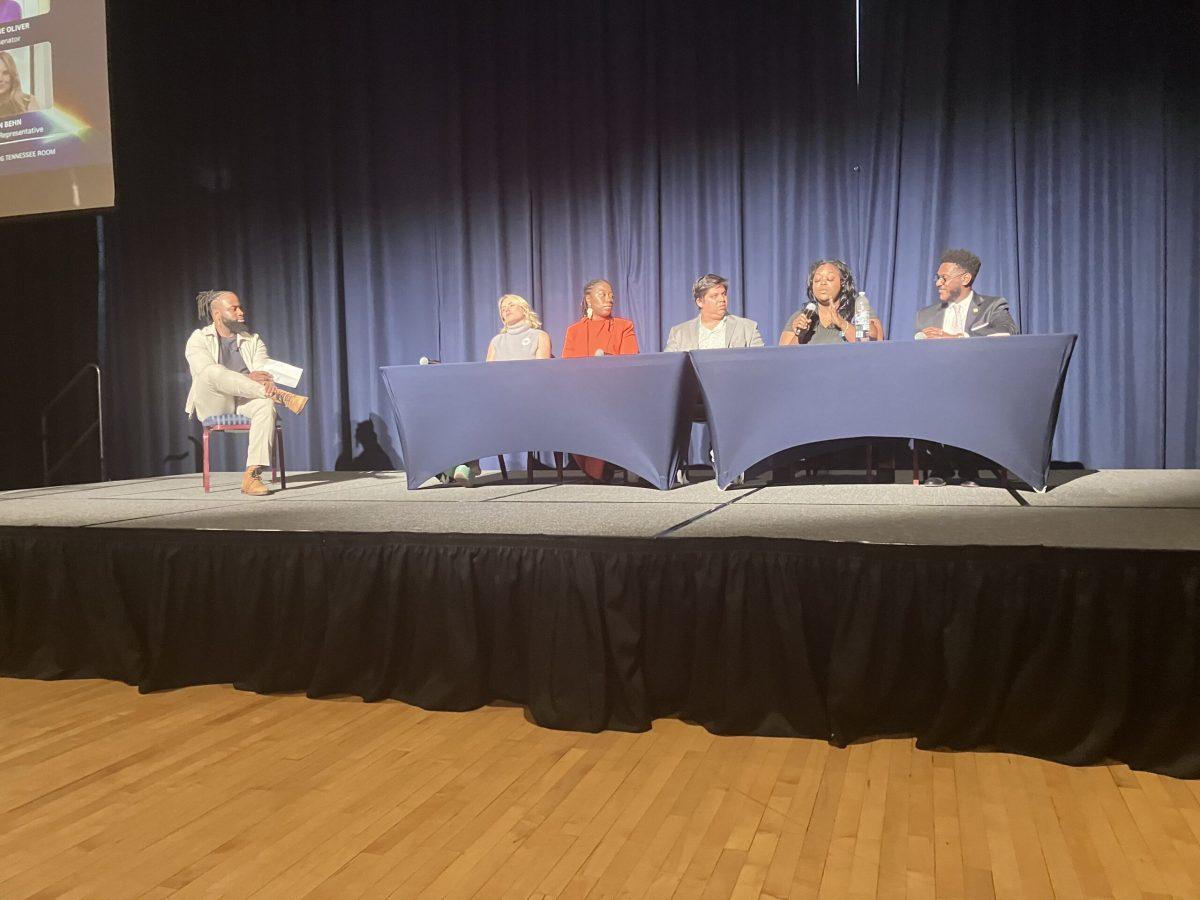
(1138, 509)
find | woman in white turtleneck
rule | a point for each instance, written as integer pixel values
(522, 336)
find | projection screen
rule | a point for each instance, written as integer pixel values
(55, 125)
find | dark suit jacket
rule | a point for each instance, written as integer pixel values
(986, 315)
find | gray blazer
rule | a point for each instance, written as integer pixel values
(739, 332)
(986, 315)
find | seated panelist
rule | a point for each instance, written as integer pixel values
(960, 312)
(598, 333)
(715, 326)
(520, 337)
(832, 291)
(226, 360)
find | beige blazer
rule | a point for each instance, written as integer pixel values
(739, 332)
(204, 350)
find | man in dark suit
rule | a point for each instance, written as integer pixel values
(960, 313)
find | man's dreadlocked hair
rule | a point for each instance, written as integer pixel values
(204, 302)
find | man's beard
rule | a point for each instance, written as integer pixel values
(235, 326)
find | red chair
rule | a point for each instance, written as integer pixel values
(234, 422)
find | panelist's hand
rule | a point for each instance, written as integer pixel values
(802, 322)
(938, 333)
(265, 379)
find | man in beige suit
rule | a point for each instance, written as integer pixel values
(714, 327)
(226, 361)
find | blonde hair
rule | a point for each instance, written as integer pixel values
(530, 316)
(16, 101)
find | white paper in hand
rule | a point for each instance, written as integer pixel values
(287, 375)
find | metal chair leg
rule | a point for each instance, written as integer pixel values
(279, 451)
(503, 468)
(207, 481)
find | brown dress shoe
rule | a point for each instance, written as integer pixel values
(294, 402)
(252, 482)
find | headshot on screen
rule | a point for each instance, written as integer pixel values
(55, 124)
(26, 82)
(12, 10)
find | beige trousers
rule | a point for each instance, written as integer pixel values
(221, 390)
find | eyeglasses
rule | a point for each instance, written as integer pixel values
(938, 278)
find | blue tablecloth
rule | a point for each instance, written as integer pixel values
(998, 397)
(630, 410)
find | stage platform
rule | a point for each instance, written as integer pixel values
(1063, 624)
(1132, 509)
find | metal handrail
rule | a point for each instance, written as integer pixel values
(97, 426)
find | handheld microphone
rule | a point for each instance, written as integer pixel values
(426, 361)
(810, 310)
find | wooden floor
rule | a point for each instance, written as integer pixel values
(213, 791)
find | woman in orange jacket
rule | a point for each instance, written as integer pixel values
(598, 333)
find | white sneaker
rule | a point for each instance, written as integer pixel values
(463, 475)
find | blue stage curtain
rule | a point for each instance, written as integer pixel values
(1052, 141)
(371, 176)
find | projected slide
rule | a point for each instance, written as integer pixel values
(55, 132)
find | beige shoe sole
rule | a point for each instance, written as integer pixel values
(294, 402)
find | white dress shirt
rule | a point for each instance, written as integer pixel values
(712, 338)
(954, 319)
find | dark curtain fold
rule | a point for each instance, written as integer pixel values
(1072, 655)
(1050, 139)
(1180, 274)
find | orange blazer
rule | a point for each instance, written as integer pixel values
(613, 335)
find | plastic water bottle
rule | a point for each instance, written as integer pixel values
(862, 318)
